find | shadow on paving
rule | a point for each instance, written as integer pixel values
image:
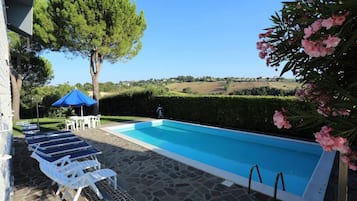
(31, 184)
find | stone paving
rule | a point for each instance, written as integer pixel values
(31, 184)
(148, 176)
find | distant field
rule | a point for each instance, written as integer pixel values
(206, 87)
(218, 87)
(199, 87)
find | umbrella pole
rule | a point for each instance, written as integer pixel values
(38, 116)
(81, 111)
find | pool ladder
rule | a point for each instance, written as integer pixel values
(279, 175)
(254, 167)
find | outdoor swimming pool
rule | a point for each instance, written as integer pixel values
(230, 154)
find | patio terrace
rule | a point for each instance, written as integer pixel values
(142, 175)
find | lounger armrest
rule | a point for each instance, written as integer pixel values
(61, 162)
(36, 148)
(83, 165)
(83, 180)
(73, 173)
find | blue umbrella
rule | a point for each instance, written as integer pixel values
(75, 98)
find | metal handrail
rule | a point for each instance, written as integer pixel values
(280, 174)
(250, 176)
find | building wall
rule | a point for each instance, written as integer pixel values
(5, 110)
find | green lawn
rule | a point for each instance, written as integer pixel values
(49, 124)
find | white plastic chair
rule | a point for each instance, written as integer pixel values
(77, 121)
(98, 119)
(70, 124)
(86, 122)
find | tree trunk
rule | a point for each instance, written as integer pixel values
(15, 89)
(96, 62)
(16, 86)
(95, 84)
(342, 180)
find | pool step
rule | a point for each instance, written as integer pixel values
(227, 183)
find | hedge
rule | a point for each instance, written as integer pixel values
(253, 113)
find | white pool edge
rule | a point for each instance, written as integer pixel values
(318, 183)
(315, 189)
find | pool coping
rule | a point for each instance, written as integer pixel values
(315, 189)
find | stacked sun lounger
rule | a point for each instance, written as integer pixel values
(30, 128)
(68, 160)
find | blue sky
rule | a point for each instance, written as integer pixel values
(186, 37)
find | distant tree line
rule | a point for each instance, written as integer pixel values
(264, 91)
(46, 95)
(112, 87)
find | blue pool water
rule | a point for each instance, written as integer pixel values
(233, 151)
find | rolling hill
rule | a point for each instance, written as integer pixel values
(221, 87)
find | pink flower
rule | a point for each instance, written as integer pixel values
(268, 33)
(330, 143)
(324, 138)
(331, 41)
(338, 19)
(309, 88)
(341, 112)
(262, 54)
(280, 120)
(300, 94)
(324, 110)
(313, 28)
(268, 60)
(328, 23)
(341, 145)
(316, 26)
(352, 166)
(335, 20)
(311, 48)
(266, 48)
(261, 35)
(308, 46)
(345, 159)
(259, 45)
(317, 48)
(327, 51)
(308, 32)
(349, 159)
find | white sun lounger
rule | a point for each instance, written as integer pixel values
(55, 143)
(75, 178)
(65, 163)
(41, 134)
(31, 141)
(58, 150)
(75, 155)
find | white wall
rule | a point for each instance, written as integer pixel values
(5, 93)
(5, 110)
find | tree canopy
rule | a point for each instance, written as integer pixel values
(112, 27)
(27, 69)
(99, 30)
